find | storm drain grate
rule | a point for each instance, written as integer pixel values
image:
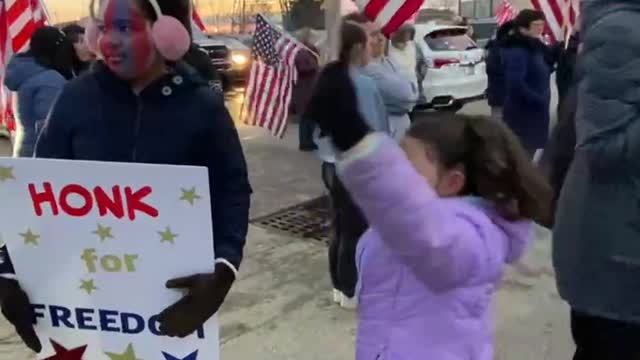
(309, 220)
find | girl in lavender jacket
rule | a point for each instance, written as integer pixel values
(446, 215)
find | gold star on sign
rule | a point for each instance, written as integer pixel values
(30, 238)
(189, 195)
(6, 173)
(167, 236)
(88, 285)
(129, 354)
(103, 232)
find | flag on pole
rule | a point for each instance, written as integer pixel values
(195, 17)
(273, 74)
(560, 16)
(389, 14)
(505, 12)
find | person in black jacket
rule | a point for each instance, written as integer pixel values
(495, 70)
(558, 155)
(527, 71)
(565, 70)
(134, 106)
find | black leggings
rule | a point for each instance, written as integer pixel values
(604, 339)
(349, 225)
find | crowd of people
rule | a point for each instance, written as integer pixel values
(429, 208)
(422, 238)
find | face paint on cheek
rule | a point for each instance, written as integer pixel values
(126, 44)
(142, 51)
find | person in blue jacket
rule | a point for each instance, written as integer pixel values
(495, 70)
(37, 76)
(527, 80)
(134, 106)
(596, 235)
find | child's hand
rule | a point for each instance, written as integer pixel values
(16, 308)
(205, 295)
(334, 107)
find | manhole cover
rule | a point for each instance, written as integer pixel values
(311, 220)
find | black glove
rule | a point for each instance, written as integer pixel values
(205, 295)
(334, 107)
(17, 309)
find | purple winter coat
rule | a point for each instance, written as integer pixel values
(429, 265)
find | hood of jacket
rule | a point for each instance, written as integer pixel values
(517, 233)
(21, 68)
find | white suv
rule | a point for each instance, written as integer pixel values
(451, 67)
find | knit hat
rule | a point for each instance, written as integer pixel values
(526, 17)
(74, 32)
(46, 41)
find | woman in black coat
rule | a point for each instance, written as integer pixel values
(495, 70)
(527, 81)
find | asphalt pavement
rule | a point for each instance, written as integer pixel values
(280, 307)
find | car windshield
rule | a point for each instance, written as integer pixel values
(449, 40)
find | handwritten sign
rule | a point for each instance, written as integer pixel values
(93, 245)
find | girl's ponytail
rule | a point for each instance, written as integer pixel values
(351, 34)
(499, 169)
(496, 166)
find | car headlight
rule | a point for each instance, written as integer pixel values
(239, 59)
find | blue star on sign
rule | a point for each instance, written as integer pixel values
(192, 356)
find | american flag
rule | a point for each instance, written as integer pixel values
(389, 14)
(561, 16)
(197, 20)
(505, 12)
(18, 20)
(272, 77)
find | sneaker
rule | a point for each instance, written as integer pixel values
(348, 303)
(337, 296)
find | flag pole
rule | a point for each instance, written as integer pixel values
(288, 36)
(45, 12)
(332, 26)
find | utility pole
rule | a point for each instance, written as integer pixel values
(243, 20)
(332, 11)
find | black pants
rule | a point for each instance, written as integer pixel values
(349, 224)
(604, 339)
(305, 134)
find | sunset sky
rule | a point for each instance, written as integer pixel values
(65, 10)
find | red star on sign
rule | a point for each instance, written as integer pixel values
(63, 354)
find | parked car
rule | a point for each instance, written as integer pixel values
(452, 67)
(230, 57)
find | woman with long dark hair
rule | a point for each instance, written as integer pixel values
(82, 55)
(348, 221)
(496, 87)
(141, 104)
(37, 76)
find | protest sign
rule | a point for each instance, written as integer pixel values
(93, 244)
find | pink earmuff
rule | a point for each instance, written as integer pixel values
(170, 37)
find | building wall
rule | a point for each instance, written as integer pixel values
(486, 8)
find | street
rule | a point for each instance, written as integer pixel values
(280, 306)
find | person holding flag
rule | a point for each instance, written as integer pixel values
(125, 110)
